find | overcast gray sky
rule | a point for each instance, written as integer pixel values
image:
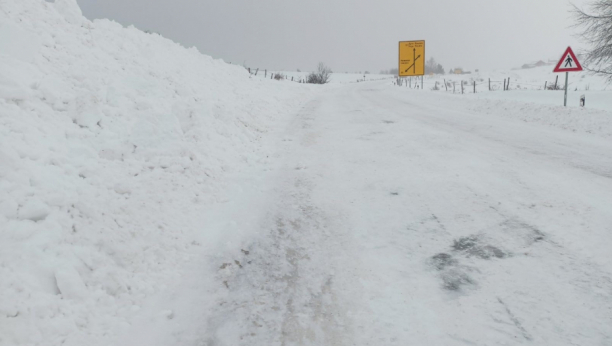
(354, 35)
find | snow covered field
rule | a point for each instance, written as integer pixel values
(527, 86)
(150, 195)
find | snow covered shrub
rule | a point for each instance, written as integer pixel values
(321, 76)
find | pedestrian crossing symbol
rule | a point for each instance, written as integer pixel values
(569, 62)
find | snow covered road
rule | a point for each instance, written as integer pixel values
(396, 217)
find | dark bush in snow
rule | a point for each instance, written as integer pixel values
(321, 76)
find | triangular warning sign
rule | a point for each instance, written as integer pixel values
(568, 62)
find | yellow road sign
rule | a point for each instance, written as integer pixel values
(411, 58)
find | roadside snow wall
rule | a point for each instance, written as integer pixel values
(111, 141)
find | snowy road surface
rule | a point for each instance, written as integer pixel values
(396, 217)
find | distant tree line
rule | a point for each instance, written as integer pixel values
(392, 71)
(432, 67)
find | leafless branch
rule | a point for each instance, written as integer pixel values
(595, 24)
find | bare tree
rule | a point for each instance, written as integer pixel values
(432, 66)
(596, 25)
(322, 76)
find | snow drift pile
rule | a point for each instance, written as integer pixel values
(111, 142)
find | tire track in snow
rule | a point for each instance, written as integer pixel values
(284, 290)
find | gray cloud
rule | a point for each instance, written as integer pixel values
(354, 35)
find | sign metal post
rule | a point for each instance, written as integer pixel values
(565, 97)
(568, 63)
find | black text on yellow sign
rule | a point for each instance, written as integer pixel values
(411, 58)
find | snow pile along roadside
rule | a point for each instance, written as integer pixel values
(112, 142)
(583, 120)
(596, 122)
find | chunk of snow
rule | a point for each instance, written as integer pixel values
(69, 283)
(122, 189)
(18, 43)
(70, 10)
(34, 210)
(8, 208)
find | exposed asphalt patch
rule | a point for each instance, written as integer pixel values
(454, 276)
(464, 243)
(443, 260)
(472, 247)
(455, 279)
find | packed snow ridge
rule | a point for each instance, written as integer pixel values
(112, 141)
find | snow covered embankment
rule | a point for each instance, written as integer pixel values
(111, 143)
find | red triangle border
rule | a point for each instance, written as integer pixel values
(578, 67)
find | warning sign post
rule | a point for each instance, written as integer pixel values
(568, 63)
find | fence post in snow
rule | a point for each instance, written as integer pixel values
(249, 70)
(556, 80)
(445, 85)
(474, 87)
(545, 83)
(266, 74)
(504, 84)
(489, 84)
(508, 87)
(461, 87)
(453, 87)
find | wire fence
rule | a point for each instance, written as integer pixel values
(303, 76)
(474, 85)
(462, 86)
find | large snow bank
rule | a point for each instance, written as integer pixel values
(112, 142)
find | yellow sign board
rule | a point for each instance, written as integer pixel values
(411, 58)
